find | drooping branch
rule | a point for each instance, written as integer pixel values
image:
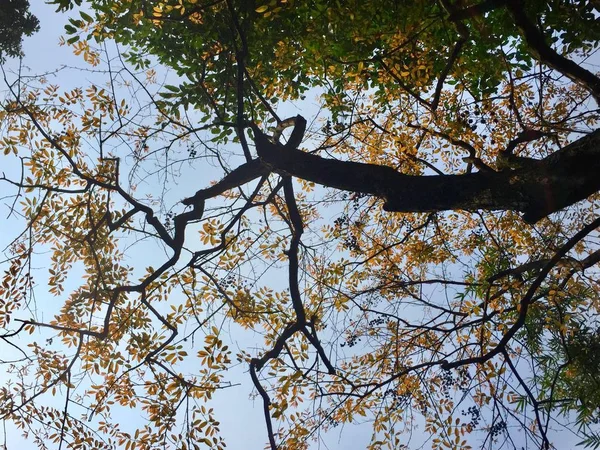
(296, 225)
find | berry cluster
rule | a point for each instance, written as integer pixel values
(341, 222)
(475, 414)
(192, 153)
(351, 340)
(448, 381)
(351, 243)
(376, 322)
(497, 428)
(399, 401)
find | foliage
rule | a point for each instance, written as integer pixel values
(379, 253)
(15, 21)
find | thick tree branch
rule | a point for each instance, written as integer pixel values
(237, 177)
(546, 186)
(475, 10)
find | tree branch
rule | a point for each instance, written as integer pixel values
(237, 177)
(546, 54)
(545, 186)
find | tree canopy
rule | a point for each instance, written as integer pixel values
(15, 21)
(414, 247)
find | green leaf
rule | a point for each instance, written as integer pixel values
(86, 17)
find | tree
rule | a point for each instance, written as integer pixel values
(15, 21)
(436, 222)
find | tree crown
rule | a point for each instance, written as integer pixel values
(415, 247)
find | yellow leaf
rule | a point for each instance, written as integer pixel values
(262, 9)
